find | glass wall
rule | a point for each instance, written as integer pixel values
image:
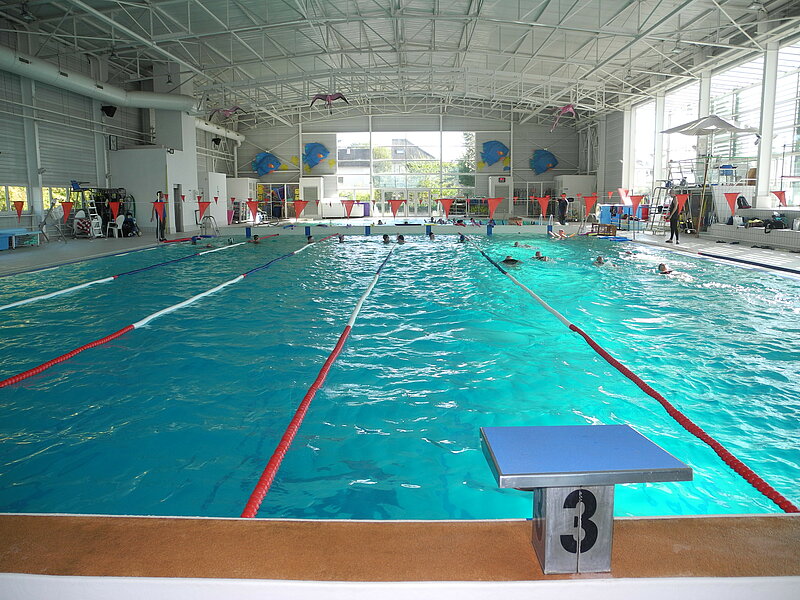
(785, 173)
(736, 97)
(644, 141)
(680, 151)
(10, 194)
(417, 166)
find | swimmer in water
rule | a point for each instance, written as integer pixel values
(310, 239)
(401, 239)
(431, 237)
(540, 256)
(510, 260)
(386, 239)
(341, 239)
(461, 238)
(599, 262)
(663, 270)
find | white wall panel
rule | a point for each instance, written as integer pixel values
(613, 155)
(66, 139)
(13, 168)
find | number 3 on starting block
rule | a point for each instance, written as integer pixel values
(573, 528)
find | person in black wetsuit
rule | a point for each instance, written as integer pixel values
(673, 214)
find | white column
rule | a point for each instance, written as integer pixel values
(100, 148)
(704, 110)
(601, 156)
(628, 160)
(658, 151)
(763, 199)
(31, 132)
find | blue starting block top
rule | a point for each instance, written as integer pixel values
(581, 455)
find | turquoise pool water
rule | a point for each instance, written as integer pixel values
(179, 418)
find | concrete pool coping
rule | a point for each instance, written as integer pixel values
(760, 549)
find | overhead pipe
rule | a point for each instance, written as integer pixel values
(204, 125)
(45, 72)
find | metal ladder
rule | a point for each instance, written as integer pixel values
(53, 222)
(95, 220)
(208, 226)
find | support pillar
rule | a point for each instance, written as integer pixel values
(762, 198)
(658, 150)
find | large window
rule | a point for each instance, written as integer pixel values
(644, 141)
(418, 166)
(786, 140)
(52, 195)
(10, 194)
(680, 151)
(736, 96)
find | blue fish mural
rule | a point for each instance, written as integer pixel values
(314, 153)
(493, 151)
(265, 163)
(542, 161)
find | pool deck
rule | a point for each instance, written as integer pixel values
(110, 546)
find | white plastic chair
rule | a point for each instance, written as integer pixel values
(115, 226)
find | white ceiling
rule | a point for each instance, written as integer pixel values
(510, 59)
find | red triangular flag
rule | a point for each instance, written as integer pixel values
(781, 197)
(159, 206)
(216, 199)
(67, 206)
(394, 205)
(114, 206)
(590, 201)
(253, 206)
(636, 200)
(183, 198)
(348, 206)
(624, 195)
(543, 202)
(203, 207)
(299, 207)
(731, 198)
(610, 194)
(18, 204)
(446, 204)
(682, 199)
(493, 204)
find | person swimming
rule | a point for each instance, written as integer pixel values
(431, 237)
(401, 239)
(510, 260)
(561, 235)
(254, 240)
(310, 239)
(386, 239)
(540, 256)
(341, 239)
(461, 238)
(599, 261)
(663, 270)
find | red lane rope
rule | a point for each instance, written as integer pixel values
(734, 463)
(268, 476)
(36, 370)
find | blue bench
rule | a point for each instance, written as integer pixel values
(9, 237)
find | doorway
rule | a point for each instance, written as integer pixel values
(177, 202)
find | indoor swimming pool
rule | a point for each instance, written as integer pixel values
(179, 417)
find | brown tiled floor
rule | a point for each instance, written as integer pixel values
(383, 551)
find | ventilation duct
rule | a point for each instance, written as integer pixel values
(45, 72)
